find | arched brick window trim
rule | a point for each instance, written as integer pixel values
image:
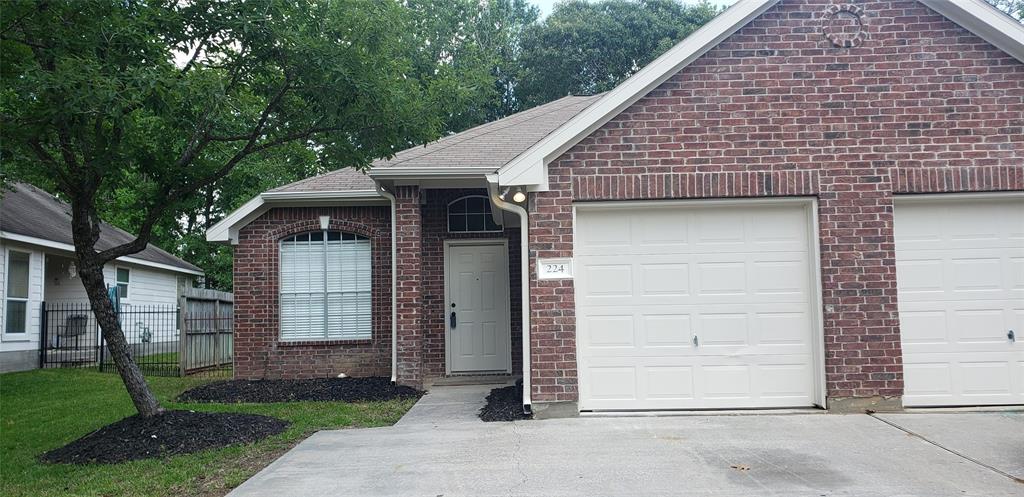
(335, 225)
(380, 294)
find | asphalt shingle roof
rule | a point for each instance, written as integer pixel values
(29, 211)
(495, 143)
(342, 180)
(490, 145)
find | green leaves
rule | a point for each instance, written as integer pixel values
(138, 109)
(590, 47)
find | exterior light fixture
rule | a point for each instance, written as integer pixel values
(519, 197)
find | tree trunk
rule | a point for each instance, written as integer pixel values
(145, 402)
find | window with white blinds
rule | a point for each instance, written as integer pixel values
(325, 286)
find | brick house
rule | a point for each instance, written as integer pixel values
(804, 203)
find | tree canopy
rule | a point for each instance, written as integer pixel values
(590, 47)
(140, 110)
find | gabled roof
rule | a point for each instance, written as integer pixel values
(31, 215)
(342, 180)
(529, 168)
(488, 146)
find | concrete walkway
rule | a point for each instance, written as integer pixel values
(447, 405)
(782, 455)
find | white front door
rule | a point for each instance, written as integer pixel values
(960, 277)
(695, 305)
(476, 311)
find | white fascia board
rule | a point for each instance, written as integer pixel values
(430, 172)
(985, 21)
(227, 229)
(528, 167)
(219, 232)
(66, 247)
(325, 195)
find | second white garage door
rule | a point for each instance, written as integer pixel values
(694, 305)
(960, 275)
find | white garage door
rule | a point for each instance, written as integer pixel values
(694, 305)
(960, 270)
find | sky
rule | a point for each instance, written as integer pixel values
(547, 5)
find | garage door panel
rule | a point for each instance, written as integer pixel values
(727, 381)
(607, 280)
(668, 383)
(610, 331)
(783, 328)
(666, 330)
(736, 278)
(959, 281)
(664, 279)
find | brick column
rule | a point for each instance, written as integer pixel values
(408, 244)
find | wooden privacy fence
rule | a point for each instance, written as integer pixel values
(206, 342)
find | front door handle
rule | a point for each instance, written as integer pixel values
(451, 320)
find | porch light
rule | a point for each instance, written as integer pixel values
(72, 270)
(519, 197)
(325, 221)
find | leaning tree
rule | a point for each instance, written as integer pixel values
(166, 97)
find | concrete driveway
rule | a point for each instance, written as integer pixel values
(933, 455)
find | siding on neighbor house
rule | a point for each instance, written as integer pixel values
(259, 352)
(49, 281)
(30, 340)
(922, 106)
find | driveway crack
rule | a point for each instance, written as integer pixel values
(947, 449)
(517, 460)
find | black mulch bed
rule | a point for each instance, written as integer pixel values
(504, 404)
(318, 389)
(171, 433)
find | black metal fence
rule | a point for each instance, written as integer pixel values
(71, 337)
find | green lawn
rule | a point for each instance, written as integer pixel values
(44, 409)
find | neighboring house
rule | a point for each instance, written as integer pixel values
(38, 267)
(804, 203)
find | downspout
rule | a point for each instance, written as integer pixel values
(394, 282)
(524, 261)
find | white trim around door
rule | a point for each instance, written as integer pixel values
(476, 282)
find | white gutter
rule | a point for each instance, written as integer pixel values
(524, 261)
(394, 283)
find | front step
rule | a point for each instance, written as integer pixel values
(486, 379)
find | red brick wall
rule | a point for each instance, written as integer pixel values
(258, 351)
(435, 232)
(408, 292)
(777, 110)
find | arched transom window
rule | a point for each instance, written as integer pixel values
(325, 286)
(471, 214)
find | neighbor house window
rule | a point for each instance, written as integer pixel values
(122, 276)
(17, 292)
(471, 214)
(325, 286)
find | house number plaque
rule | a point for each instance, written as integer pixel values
(554, 269)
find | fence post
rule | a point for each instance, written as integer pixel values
(100, 343)
(182, 335)
(42, 335)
